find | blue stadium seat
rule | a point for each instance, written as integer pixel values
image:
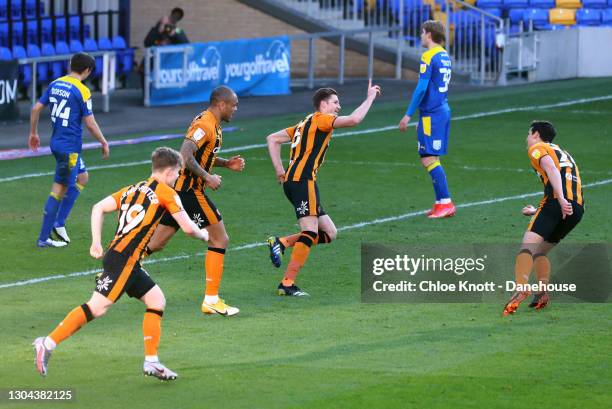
(42, 69)
(33, 51)
(408, 5)
(606, 18)
(414, 17)
(465, 22)
(3, 10)
(4, 42)
(495, 12)
(25, 71)
(516, 4)
(594, 4)
(17, 33)
(61, 48)
(5, 54)
(488, 4)
(60, 29)
(588, 17)
(46, 28)
(414, 3)
(32, 30)
(31, 8)
(76, 46)
(15, 9)
(55, 68)
(539, 18)
(75, 27)
(119, 43)
(542, 4)
(89, 45)
(516, 15)
(105, 44)
(442, 4)
(125, 55)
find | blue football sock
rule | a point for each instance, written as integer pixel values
(49, 215)
(432, 173)
(438, 178)
(67, 203)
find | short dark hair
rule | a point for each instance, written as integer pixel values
(82, 61)
(545, 129)
(178, 13)
(221, 93)
(321, 95)
(164, 157)
(436, 29)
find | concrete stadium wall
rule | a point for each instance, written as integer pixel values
(215, 20)
(574, 53)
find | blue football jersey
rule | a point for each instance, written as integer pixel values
(70, 101)
(435, 66)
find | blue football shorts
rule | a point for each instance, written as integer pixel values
(433, 131)
(67, 167)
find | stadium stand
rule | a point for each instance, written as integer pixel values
(27, 30)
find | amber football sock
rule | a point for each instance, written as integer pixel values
(299, 255)
(151, 329)
(541, 265)
(75, 319)
(289, 241)
(523, 266)
(214, 270)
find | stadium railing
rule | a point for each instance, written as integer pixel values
(475, 40)
(343, 36)
(475, 36)
(108, 72)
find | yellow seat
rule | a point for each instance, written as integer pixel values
(562, 16)
(458, 6)
(439, 15)
(569, 4)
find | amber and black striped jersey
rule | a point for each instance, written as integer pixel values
(141, 207)
(570, 175)
(309, 142)
(205, 132)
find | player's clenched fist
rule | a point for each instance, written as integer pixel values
(529, 210)
(96, 250)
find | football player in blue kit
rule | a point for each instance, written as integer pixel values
(70, 105)
(430, 97)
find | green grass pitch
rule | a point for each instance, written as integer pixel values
(328, 350)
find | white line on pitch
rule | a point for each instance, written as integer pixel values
(253, 245)
(344, 134)
(449, 164)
